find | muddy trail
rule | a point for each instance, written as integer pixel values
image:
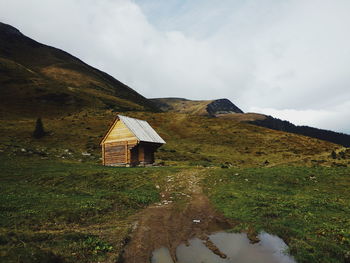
(183, 213)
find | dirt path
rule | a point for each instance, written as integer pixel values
(183, 213)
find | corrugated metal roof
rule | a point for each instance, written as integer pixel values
(142, 130)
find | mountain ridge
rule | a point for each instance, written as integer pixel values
(196, 107)
(224, 108)
(34, 73)
(273, 123)
(286, 126)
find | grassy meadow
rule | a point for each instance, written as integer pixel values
(58, 204)
(308, 208)
(67, 211)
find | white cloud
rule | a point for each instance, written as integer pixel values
(264, 54)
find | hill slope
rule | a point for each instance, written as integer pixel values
(191, 139)
(39, 79)
(225, 109)
(196, 107)
(281, 125)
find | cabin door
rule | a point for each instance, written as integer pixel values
(134, 154)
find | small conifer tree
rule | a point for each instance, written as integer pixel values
(334, 155)
(39, 131)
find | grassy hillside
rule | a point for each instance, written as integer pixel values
(225, 109)
(277, 124)
(36, 79)
(242, 117)
(280, 125)
(180, 105)
(190, 139)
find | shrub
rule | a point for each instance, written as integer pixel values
(39, 131)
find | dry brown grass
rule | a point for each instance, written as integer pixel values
(195, 107)
(242, 117)
(68, 76)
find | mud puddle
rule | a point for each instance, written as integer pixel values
(227, 248)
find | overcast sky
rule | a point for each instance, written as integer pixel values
(289, 59)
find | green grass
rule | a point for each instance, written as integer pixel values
(68, 211)
(71, 246)
(308, 207)
(69, 192)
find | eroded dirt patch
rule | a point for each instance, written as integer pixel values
(172, 222)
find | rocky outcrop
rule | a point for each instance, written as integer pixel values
(222, 106)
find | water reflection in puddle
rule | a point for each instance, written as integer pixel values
(162, 255)
(237, 248)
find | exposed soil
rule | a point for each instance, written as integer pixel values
(170, 223)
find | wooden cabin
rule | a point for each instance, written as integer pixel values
(130, 141)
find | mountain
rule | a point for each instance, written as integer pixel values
(196, 107)
(282, 125)
(39, 80)
(36, 79)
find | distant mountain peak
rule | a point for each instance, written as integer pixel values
(9, 30)
(222, 106)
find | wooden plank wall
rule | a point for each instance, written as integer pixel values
(115, 153)
(128, 152)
